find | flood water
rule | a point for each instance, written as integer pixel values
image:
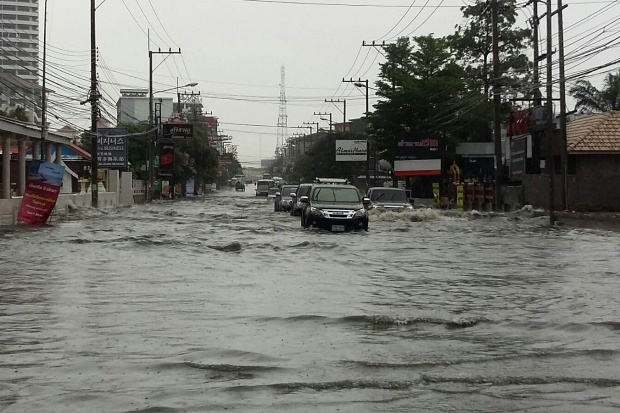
(219, 304)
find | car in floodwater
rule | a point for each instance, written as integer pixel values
(283, 201)
(302, 190)
(335, 208)
(263, 186)
(388, 198)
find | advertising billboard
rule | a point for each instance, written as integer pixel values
(42, 188)
(518, 154)
(177, 130)
(418, 154)
(166, 160)
(351, 150)
(112, 152)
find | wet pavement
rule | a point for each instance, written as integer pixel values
(220, 304)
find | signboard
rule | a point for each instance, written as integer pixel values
(112, 152)
(459, 197)
(351, 150)
(226, 159)
(518, 153)
(418, 154)
(166, 160)
(178, 130)
(190, 187)
(42, 189)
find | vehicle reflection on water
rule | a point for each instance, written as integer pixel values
(218, 304)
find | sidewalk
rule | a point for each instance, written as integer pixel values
(595, 220)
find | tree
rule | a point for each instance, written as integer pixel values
(420, 86)
(589, 98)
(473, 47)
(320, 161)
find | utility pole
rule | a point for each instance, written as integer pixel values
(564, 157)
(94, 102)
(358, 83)
(549, 163)
(151, 141)
(317, 131)
(304, 136)
(344, 112)
(44, 90)
(497, 131)
(330, 119)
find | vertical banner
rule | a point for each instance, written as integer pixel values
(189, 188)
(166, 160)
(42, 189)
(459, 197)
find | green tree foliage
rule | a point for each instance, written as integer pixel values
(473, 47)
(590, 98)
(320, 161)
(420, 88)
(195, 158)
(17, 113)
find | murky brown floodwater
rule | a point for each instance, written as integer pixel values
(219, 304)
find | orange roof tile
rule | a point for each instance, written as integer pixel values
(599, 132)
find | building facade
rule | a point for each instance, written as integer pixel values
(133, 106)
(19, 38)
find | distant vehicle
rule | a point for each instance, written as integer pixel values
(283, 201)
(388, 198)
(335, 208)
(263, 186)
(240, 186)
(302, 190)
(332, 181)
(266, 176)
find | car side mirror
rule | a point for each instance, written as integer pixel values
(277, 194)
(304, 200)
(366, 201)
(294, 196)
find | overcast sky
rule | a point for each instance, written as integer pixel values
(234, 49)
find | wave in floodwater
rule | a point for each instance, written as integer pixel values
(384, 320)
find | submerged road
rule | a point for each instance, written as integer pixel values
(219, 304)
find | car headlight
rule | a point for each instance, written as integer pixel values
(316, 211)
(360, 212)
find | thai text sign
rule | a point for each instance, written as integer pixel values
(351, 150)
(178, 130)
(112, 152)
(518, 153)
(42, 189)
(417, 154)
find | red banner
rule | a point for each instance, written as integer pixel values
(42, 189)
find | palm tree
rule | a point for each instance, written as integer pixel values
(590, 98)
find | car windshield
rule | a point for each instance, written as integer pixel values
(335, 194)
(304, 191)
(288, 190)
(388, 195)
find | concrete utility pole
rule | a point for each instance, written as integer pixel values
(344, 112)
(94, 114)
(497, 128)
(149, 192)
(364, 83)
(317, 131)
(43, 86)
(330, 119)
(549, 163)
(564, 158)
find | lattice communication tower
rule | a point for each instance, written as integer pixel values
(282, 117)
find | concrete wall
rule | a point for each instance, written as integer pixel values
(585, 193)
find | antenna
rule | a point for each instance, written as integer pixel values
(282, 117)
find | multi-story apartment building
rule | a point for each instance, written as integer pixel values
(19, 38)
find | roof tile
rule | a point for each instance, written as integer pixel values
(599, 132)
